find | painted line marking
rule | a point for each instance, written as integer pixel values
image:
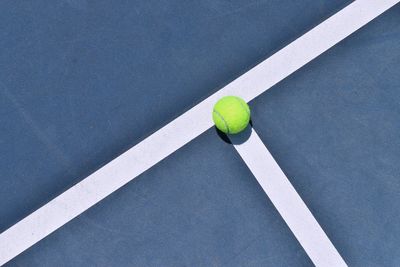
(185, 128)
(286, 200)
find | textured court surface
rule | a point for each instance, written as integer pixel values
(81, 82)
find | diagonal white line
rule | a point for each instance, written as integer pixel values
(286, 200)
(183, 129)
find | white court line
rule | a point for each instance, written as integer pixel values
(183, 129)
(286, 200)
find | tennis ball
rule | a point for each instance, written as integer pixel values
(231, 114)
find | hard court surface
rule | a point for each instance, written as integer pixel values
(83, 81)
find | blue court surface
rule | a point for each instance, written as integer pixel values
(81, 82)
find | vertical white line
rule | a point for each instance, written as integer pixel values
(286, 200)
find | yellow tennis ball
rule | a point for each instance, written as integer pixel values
(231, 114)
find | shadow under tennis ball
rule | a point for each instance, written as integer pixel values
(236, 139)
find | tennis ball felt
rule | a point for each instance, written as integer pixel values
(231, 114)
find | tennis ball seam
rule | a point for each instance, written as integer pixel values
(222, 118)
